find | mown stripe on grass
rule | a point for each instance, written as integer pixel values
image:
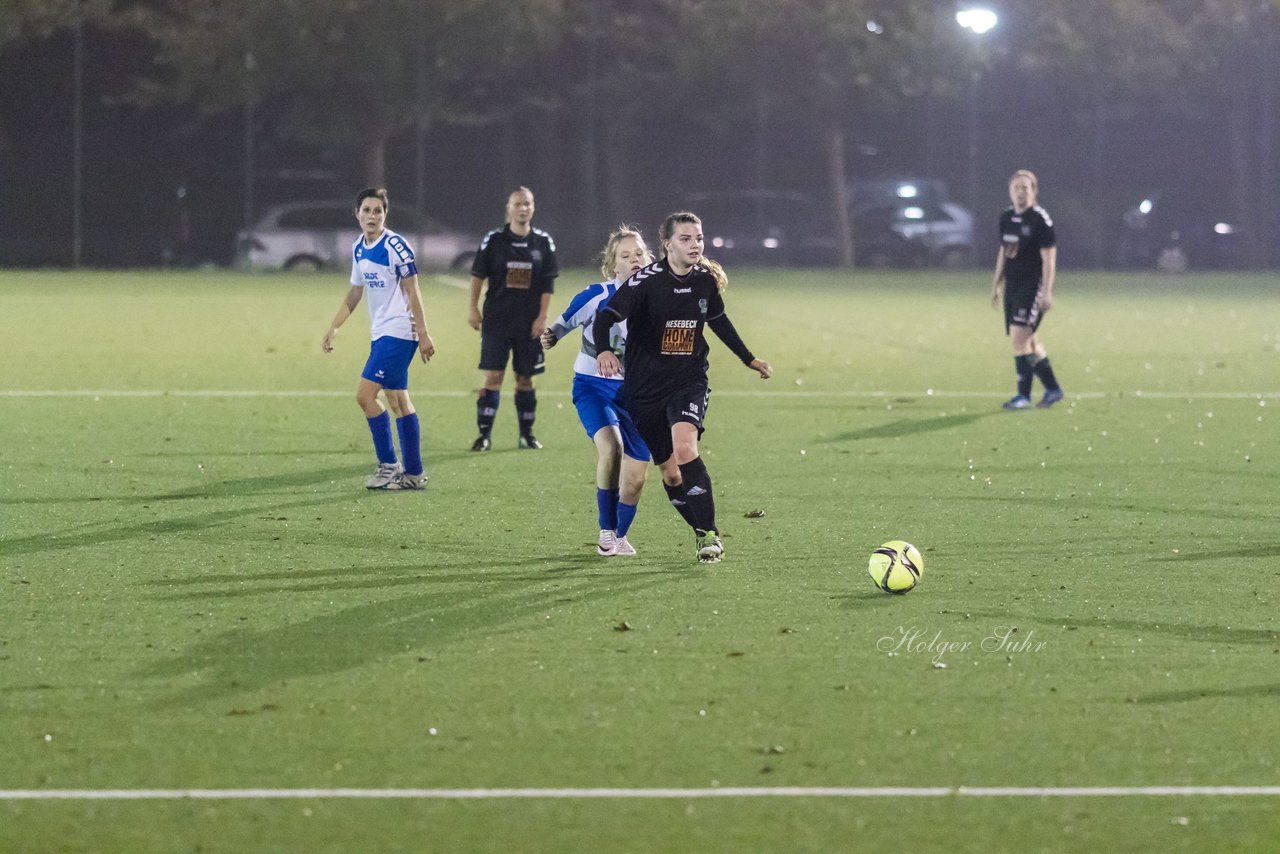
(1087, 395)
(719, 792)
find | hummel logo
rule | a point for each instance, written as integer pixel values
(682, 290)
(695, 491)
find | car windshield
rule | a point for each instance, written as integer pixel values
(327, 218)
(756, 212)
(410, 221)
(336, 217)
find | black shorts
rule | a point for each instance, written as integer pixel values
(527, 356)
(1022, 308)
(654, 419)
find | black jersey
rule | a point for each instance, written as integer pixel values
(665, 314)
(1023, 235)
(520, 270)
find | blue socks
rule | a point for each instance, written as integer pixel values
(615, 515)
(607, 504)
(410, 443)
(410, 440)
(626, 513)
(380, 427)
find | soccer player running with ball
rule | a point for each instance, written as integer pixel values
(666, 305)
(621, 455)
(382, 263)
(1027, 265)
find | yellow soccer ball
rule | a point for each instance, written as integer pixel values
(896, 566)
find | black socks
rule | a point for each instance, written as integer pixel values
(526, 409)
(697, 494)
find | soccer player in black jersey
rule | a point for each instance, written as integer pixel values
(519, 262)
(1027, 265)
(666, 305)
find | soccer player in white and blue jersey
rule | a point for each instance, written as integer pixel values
(621, 455)
(382, 263)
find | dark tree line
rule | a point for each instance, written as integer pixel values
(611, 108)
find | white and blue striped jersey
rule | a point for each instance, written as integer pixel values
(581, 313)
(378, 269)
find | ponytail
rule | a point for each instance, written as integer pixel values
(717, 273)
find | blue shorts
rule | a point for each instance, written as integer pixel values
(389, 360)
(596, 401)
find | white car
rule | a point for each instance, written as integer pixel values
(315, 235)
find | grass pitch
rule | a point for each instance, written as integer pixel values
(197, 592)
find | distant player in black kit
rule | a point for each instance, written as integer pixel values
(666, 305)
(519, 262)
(1027, 264)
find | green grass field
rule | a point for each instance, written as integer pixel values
(198, 594)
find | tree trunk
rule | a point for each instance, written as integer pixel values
(839, 195)
(617, 164)
(1098, 166)
(1269, 215)
(1244, 190)
(421, 130)
(375, 154)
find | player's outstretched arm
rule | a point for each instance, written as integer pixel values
(725, 331)
(552, 334)
(1049, 262)
(997, 279)
(608, 365)
(413, 295)
(474, 317)
(349, 304)
(606, 361)
(540, 322)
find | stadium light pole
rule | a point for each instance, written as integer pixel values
(250, 65)
(77, 137)
(979, 21)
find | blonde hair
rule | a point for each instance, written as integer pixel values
(1030, 176)
(668, 228)
(517, 191)
(616, 236)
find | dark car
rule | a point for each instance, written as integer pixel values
(912, 233)
(775, 228)
(788, 229)
(1176, 231)
(875, 192)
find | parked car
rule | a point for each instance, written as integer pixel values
(764, 227)
(1174, 232)
(909, 233)
(876, 192)
(315, 235)
(783, 228)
